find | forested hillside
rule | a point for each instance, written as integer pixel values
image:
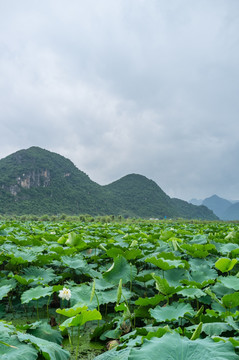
(37, 181)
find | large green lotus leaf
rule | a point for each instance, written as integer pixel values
(22, 280)
(144, 275)
(27, 326)
(161, 247)
(198, 250)
(11, 282)
(129, 254)
(22, 256)
(120, 269)
(225, 264)
(56, 248)
(199, 253)
(75, 262)
(132, 254)
(62, 239)
(115, 251)
(38, 249)
(102, 284)
(197, 284)
(212, 329)
(81, 319)
(50, 350)
(41, 276)
(215, 328)
(199, 239)
(16, 350)
(73, 239)
(174, 276)
(167, 256)
(73, 311)
(163, 286)
(110, 296)
(231, 282)
(8, 248)
(227, 248)
(6, 327)
(4, 290)
(191, 292)
(115, 355)
(234, 341)
(171, 312)
(81, 295)
(36, 293)
(165, 264)
(45, 331)
(218, 309)
(158, 333)
(220, 290)
(175, 347)
(230, 321)
(153, 301)
(203, 273)
(200, 263)
(48, 259)
(231, 300)
(166, 234)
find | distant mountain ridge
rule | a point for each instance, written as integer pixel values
(223, 208)
(37, 181)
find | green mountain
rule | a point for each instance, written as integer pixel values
(232, 212)
(37, 181)
(224, 209)
(218, 205)
(136, 194)
(191, 211)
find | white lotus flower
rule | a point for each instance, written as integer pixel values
(65, 294)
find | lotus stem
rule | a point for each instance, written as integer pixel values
(37, 311)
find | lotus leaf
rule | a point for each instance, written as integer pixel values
(81, 319)
(231, 282)
(12, 349)
(73, 311)
(163, 286)
(231, 300)
(227, 248)
(75, 262)
(175, 347)
(120, 269)
(165, 264)
(153, 301)
(4, 290)
(171, 312)
(39, 275)
(191, 292)
(50, 350)
(36, 293)
(45, 331)
(225, 264)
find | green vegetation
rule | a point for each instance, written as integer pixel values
(39, 182)
(129, 290)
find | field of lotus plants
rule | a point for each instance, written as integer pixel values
(129, 290)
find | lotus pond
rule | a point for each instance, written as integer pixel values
(143, 290)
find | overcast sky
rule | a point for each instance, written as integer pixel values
(126, 86)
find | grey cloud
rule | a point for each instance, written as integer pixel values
(126, 86)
